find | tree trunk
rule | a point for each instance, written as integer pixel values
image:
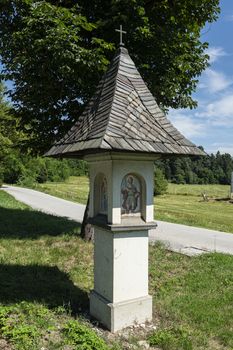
(87, 231)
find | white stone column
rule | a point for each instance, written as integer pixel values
(120, 296)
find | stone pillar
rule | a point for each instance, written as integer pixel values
(121, 210)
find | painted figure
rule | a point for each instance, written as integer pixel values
(131, 195)
(103, 196)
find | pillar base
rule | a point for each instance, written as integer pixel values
(116, 316)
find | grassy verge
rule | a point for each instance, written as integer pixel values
(46, 274)
(193, 300)
(219, 191)
(74, 189)
(182, 204)
(191, 210)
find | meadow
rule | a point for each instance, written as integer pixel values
(182, 204)
(46, 274)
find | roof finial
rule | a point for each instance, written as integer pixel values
(121, 32)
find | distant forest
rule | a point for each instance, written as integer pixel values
(27, 170)
(209, 169)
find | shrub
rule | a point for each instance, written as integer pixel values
(84, 337)
(13, 168)
(27, 170)
(36, 168)
(27, 180)
(42, 175)
(160, 183)
(15, 328)
(78, 167)
(58, 170)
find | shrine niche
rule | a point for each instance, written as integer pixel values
(101, 194)
(131, 194)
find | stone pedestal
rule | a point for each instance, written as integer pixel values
(121, 211)
(120, 296)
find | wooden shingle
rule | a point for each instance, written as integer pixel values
(123, 116)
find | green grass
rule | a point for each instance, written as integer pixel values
(193, 299)
(193, 211)
(74, 189)
(182, 204)
(46, 274)
(219, 191)
(44, 268)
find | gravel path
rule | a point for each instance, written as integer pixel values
(181, 238)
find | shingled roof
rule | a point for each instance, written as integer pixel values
(123, 116)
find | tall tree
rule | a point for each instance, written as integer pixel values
(53, 59)
(7, 126)
(56, 51)
(199, 170)
(11, 136)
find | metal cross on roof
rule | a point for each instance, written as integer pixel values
(121, 32)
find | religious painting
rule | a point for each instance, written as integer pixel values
(130, 195)
(103, 196)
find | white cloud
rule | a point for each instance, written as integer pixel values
(221, 147)
(214, 81)
(226, 150)
(219, 112)
(215, 52)
(223, 107)
(185, 124)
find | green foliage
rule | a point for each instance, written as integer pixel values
(58, 170)
(51, 84)
(211, 169)
(25, 324)
(7, 126)
(78, 167)
(13, 168)
(56, 52)
(171, 339)
(27, 170)
(17, 325)
(83, 337)
(5, 132)
(160, 183)
(10, 138)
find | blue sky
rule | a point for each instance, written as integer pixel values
(211, 123)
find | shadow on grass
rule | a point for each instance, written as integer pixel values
(25, 223)
(44, 284)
